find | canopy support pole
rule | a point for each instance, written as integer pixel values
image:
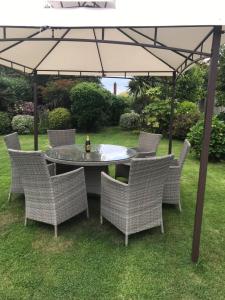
(35, 110)
(206, 141)
(172, 114)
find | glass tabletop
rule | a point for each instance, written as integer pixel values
(99, 153)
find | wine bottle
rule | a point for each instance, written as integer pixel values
(88, 144)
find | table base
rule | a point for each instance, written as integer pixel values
(92, 175)
(93, 178)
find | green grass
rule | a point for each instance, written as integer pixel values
(89, 261)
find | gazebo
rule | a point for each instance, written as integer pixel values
(117, 39)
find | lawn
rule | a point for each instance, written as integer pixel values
(90, 261)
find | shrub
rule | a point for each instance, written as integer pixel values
(129, 121)
(24, 108)
(23, 124)
(117, 108)
(221, 116)
(90, 105)
(156, 116)
(187, 115)
(217, 142)
(59, 118)
(5, 122)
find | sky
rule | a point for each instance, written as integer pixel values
(122, 84)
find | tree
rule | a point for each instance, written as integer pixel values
(57, 93)
(191, 85)
(90, 105)
(138, 86)
(144, 90)
(7, 96)
(221, 79)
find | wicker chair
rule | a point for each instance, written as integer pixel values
(147, 147)
(12, 142)
(136, 206)
(171, 193)
(49, 199)
(61, 137)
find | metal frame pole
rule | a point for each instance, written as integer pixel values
(35, 111)
(172, 114)
(206, 140)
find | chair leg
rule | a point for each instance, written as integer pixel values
(126, 240)
(179, 206)
(87, 212)
(56, 231)
(101, 220)
(162, 227)
(25, 221)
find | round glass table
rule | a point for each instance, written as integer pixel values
(100, 157)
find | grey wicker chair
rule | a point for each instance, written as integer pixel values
(147, 147)
(136, 206)
(49, 199)
(12, 142)
(61, 137)
(171, 194)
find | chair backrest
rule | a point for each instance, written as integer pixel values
(146, 180)
(185, 150)
(148, 142)
(34, 173)
(61, 137)
(12, 141)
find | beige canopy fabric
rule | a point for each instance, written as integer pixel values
(97, 42)
(121, 51)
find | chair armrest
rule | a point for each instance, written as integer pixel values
(52, 169)
(134, 148)
(108, 179)
(114, 195)
(142, 154)
(69, 185)
(174, 162)
(173, 174)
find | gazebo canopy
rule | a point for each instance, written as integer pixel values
(134, 38)
(143, 37)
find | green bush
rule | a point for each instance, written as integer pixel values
(23, 124)
(59, 118)
(217, 142)
(90, 105)
(129, 121)
(221, 116)
(5, 122)
(117, 108)
(156, 116)
(187, 115)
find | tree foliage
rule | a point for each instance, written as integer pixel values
(217, 141)
(90, 105)
(7, 97)
(56, 93)
(191, 86)
(221, 79)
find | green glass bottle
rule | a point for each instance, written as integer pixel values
(88, 144)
